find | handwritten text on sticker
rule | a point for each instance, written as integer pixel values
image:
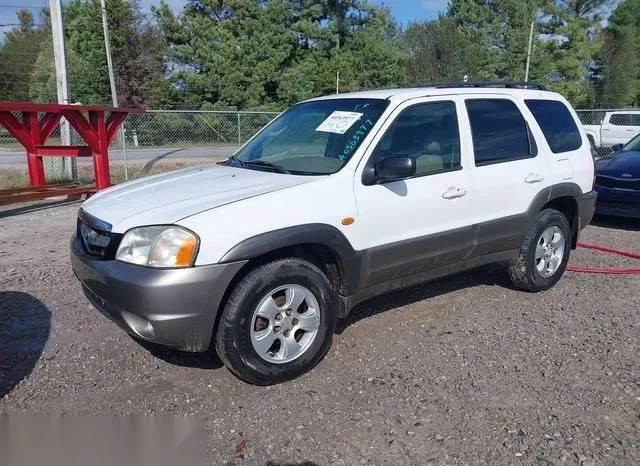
(339, 122)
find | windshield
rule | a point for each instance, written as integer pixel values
(311, 138)
(634, 144)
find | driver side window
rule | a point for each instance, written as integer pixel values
(429, 133)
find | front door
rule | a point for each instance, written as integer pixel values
(411, 226)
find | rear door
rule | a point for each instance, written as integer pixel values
(569, 155)
(508, 170)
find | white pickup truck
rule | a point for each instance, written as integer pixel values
(616, 128)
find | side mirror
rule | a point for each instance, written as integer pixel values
(395, 167)
(617, 147)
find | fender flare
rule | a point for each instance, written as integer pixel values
(551, 193)
(312, 233)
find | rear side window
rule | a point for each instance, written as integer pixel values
(620, 119)
(500, 132)
(557, 125)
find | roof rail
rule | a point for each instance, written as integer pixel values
(507, 84)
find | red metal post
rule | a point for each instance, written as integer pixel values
(114, 122)
(48, 125)
(84, 128)
(36, 164)
(100, 157)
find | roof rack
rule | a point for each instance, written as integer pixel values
(507, 84)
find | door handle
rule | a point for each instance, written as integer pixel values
(454, 193)
(606, 129)
(533, 178)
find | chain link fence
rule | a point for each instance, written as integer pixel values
(160, 140)
(155, 141)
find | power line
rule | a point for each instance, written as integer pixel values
(23, 7)
(18, 24)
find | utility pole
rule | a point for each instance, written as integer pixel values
(526, 72)
(112, 81)
(107, 47)
(67, 164)
(338, 72)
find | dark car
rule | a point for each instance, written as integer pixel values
(618, 181)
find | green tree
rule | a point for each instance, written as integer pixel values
(227, 53)
(616, 70)
(18, 55)
(437, 51)
(617, 76)
(566, 39)
(573, 31)
(497, 36)
(137, 53)
(270, 53)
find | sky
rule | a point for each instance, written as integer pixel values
(404, 11)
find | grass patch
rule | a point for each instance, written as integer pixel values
(12, 178)
(18, 178)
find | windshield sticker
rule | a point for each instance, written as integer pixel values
(339, 122)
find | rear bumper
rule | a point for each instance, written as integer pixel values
(171, 307)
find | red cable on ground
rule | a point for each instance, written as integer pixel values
(607, 270)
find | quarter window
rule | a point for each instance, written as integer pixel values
(428, 132)
(500, 132)
(557, 125)
(624, 119)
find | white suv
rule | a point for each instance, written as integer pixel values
(337, 200)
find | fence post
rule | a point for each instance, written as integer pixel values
(239, 140)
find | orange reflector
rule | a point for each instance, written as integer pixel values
(185, 254)
(348, 220)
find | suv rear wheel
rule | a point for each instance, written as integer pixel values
(278, 322)
(544, 253)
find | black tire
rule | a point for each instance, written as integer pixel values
(233, 335)
(523, 271)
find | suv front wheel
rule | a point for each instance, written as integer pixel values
(544, 254)
(278, 322)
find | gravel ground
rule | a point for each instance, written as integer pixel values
(461, 370)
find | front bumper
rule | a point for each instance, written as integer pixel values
(171, 307)
(618, 202)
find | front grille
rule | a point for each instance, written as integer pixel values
(617, 183)
(97, 243)
(631, 207)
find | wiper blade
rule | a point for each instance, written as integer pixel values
(264, 163)
(235, 159)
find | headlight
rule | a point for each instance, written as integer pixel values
(158, 246)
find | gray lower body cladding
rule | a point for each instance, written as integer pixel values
(179, 307)
(406, 263)
(172, 307)
(586, 208)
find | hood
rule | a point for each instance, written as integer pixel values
(169, 197)
(620, 165)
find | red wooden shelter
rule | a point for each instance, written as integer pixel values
(38, 124)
